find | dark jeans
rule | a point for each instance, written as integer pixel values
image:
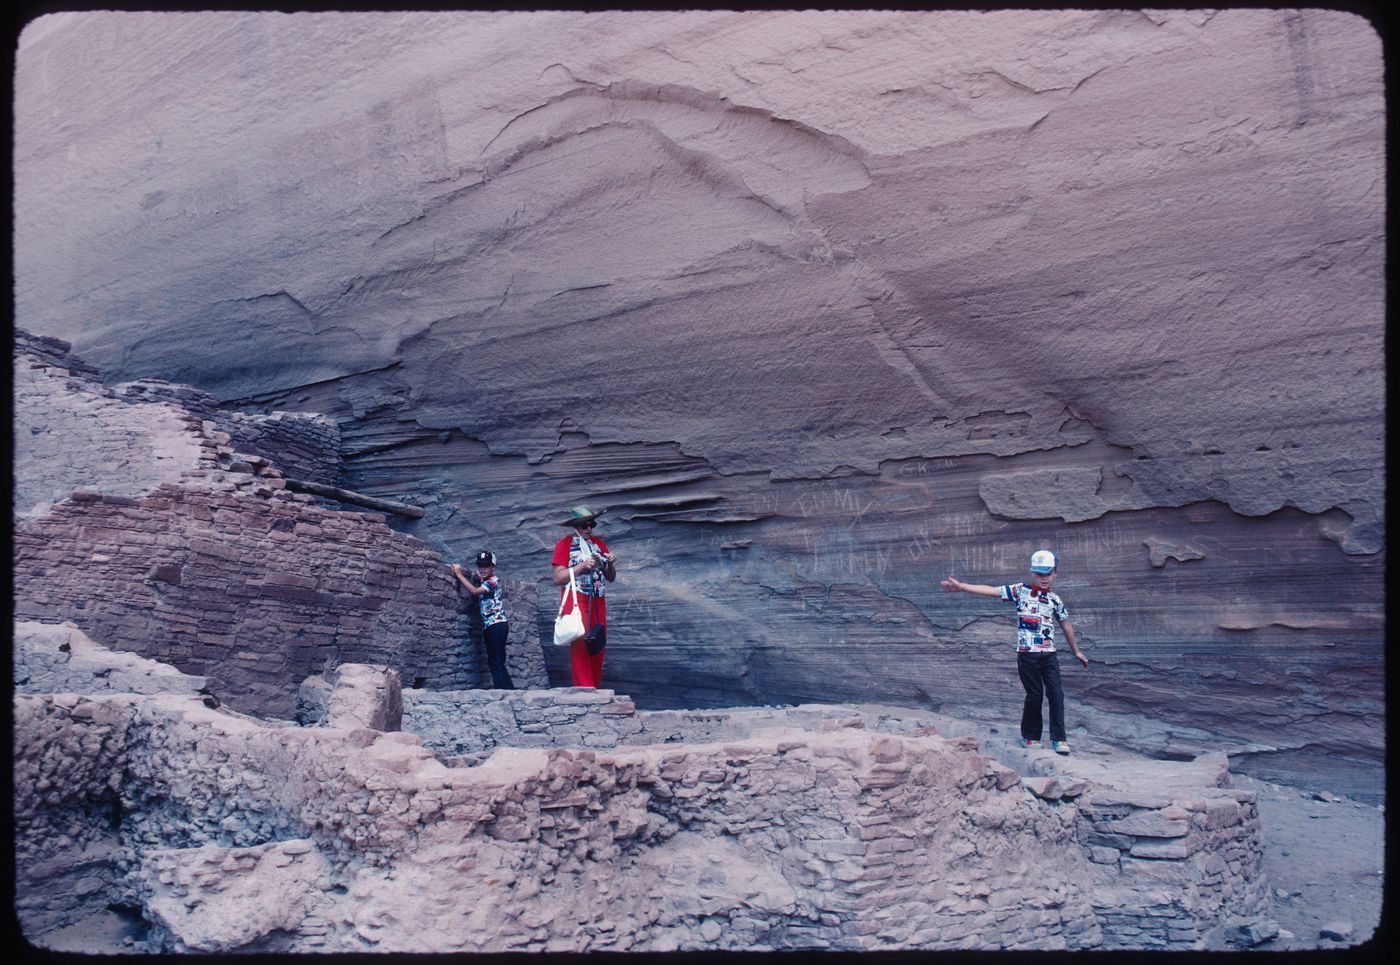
(1040, 675)
(494, 637)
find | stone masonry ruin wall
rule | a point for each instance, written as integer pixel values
(1128, 829)
(257, 591)
(142, 524)
(302, 444)
(809, 827)
(60, 658)
(71, 430)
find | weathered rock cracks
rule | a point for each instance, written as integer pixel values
(811, 828)
(822, 305)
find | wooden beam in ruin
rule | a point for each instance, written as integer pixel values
(359, 499)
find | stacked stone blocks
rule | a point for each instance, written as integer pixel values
(303, 445)
(1181, 859)
(59, 658)
(146, 524)
(258, 590)
(843, 838)
(70, 432)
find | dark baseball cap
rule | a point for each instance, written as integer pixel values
(486, 558)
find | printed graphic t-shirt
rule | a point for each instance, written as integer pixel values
(1036, 613)
(492, 603)
(569, 551)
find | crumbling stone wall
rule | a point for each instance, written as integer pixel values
(304, 445)
(145, 526)
(352, 695)
(70, 431)
(466, 726)
(53, 352)
(1191, 858)
(560, 848)
(823, 835)
(67, 761)
(1171, 862)
(60, 658)
(260, 590)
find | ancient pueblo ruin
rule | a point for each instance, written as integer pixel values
(822, 307)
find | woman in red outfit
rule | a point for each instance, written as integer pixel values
(592, 566)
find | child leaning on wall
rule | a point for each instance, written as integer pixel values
(1037, 612)
(486, 587)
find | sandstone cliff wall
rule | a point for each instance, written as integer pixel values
(822, 306)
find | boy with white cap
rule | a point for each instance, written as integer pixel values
(1037, 610)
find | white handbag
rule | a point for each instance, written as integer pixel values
(568, 627)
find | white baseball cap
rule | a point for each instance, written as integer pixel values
(1043, 561)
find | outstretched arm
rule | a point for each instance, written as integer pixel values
(1074, 642)
(958, 586)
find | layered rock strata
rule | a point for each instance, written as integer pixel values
(822, 305)
(230, 834)
(146, 529)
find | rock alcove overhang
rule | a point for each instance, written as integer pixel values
(821, 306)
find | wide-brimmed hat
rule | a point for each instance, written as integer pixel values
(581, 514)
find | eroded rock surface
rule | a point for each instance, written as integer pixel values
(145, 529)
(59, 658)
(820, 828)
(822, 306)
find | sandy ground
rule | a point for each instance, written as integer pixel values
(1324, 860)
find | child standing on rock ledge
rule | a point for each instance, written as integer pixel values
(1037, 611)
(486, 587)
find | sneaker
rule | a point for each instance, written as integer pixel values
(1060, 747)
(1029, 743)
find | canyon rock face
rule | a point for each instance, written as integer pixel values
(821, 306)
